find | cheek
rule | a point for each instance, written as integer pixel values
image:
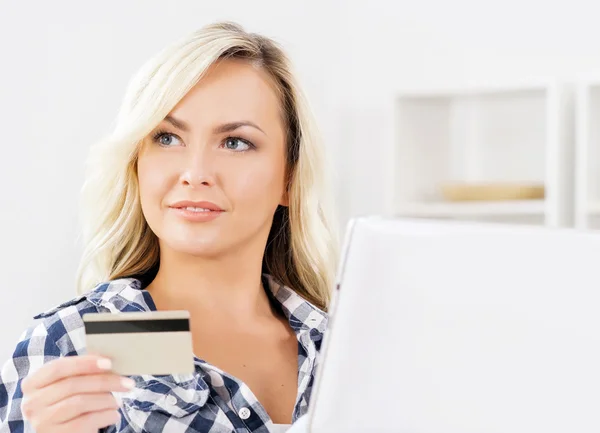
(153, 183)
(263, 183)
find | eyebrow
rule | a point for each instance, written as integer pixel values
(221, 129)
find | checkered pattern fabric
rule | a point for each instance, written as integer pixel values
(208, 401)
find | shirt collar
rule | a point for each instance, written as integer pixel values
(301, 314)
(122, 295)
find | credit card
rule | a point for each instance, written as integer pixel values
(154, 343)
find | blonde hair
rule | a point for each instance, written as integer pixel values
(301, 251)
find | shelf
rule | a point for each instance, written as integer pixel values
(496, 134)
(587, 174)
(473, 209)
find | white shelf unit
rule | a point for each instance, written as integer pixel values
(507, 134)
(587, 162)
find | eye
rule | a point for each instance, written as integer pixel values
(167, 139)
(237, 144)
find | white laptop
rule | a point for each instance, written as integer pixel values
(453, 327)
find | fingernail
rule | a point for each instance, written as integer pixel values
(104, 364)
(127, 383)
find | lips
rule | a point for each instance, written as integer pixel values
(197, 206)
(196, 211)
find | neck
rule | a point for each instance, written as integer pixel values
(230, 285)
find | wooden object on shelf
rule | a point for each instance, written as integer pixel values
(492, 191)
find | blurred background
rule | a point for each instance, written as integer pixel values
(448, 109)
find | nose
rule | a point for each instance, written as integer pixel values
(199, 169)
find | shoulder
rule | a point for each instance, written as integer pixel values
(63, 324)
(59, 330)
(56, 332)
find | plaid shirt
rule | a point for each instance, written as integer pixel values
(208, 401)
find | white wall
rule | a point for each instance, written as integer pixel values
(66, 64)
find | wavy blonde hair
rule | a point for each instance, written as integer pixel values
(301, 250)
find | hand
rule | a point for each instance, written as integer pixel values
(73, 394)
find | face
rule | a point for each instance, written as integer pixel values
(212, 174)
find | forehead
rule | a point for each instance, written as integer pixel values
(232, 90)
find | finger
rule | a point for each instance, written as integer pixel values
(65, 367)
(73, 407)
(65, 388)
(90, 422)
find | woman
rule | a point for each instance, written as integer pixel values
(207, 197)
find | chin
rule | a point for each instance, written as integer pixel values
(196, 249)
(209, 248)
